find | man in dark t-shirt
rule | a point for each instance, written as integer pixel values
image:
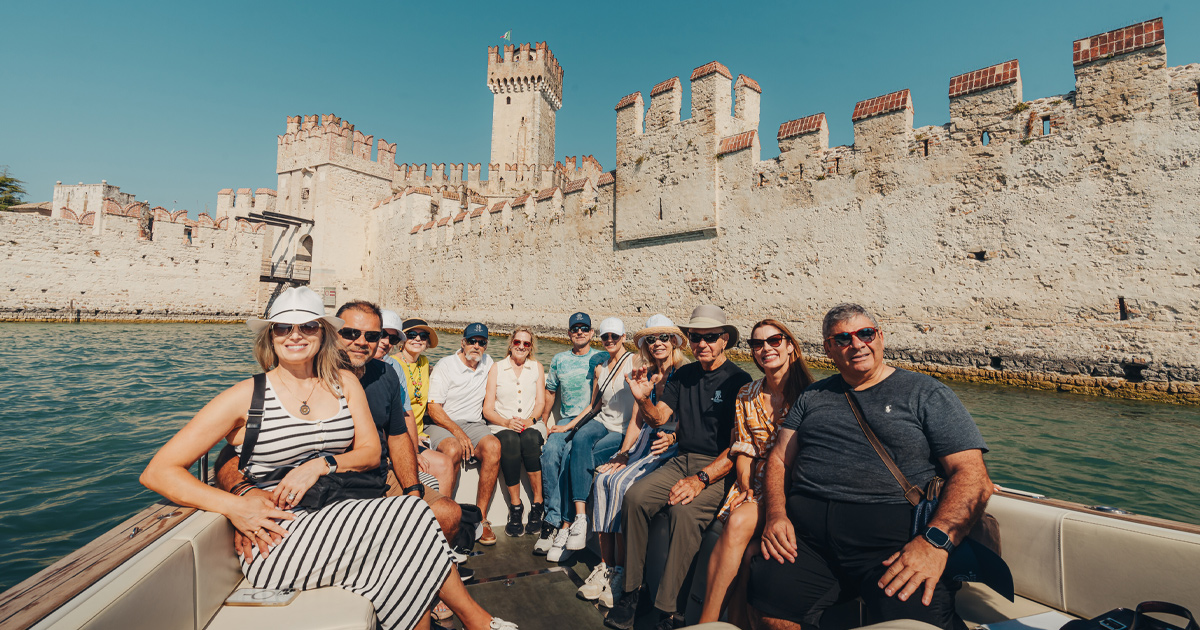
(701, 398)
(842, 529)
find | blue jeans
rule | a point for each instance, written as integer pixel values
(556, 453)
(592, 445)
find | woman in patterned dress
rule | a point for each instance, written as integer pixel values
(315, 421)
(761, 407)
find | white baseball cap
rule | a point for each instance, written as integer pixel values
(611, 325)
(392, 321)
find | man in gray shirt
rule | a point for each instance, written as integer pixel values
(842, 530)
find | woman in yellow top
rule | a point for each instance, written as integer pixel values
(419, 337)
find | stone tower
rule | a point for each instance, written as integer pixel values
(527, 86)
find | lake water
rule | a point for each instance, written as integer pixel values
(83, 407)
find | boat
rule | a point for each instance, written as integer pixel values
(171, 568)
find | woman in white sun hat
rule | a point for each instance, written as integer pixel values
(315, 421)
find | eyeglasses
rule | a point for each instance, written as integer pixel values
(477, 341)
(580, 329)
(664, 337)
(707, 337)
(774, 340)
(610, 337)
(843, 339)
(352, 334)
(517, 343)
(392, 338)
(308, 329)
(423, 335)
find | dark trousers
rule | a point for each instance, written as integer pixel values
(517, 448)
(841, 549)
(648, 497)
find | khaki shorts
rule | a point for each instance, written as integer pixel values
(474, 430)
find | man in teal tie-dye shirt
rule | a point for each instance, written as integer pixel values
(570, 377)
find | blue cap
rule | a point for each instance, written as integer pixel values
(580, 318)
(475, 330)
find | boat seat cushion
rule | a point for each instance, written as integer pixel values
(318, 609)
(978, 604)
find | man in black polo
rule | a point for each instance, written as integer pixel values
(701, 397)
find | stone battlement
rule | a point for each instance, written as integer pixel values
(528, 67)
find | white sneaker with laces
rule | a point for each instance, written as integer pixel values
(578, 535)
(558, 548)
(613, 588)
(594, 583)
(544, 541)
(500, 624)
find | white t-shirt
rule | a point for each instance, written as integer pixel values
(459, 389)
(617, 399)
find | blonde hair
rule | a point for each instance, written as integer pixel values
(328, 362)
(532, 340)
(677, 358)
(798, 376)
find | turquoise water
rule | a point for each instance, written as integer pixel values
(83, 407)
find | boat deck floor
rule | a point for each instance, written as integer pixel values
(513, 584)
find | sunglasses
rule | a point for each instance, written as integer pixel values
(423, 335)
(392, 338)
(308, 329)
(477, 341)
(580, 329)
(707, 337)
(352, 334)
(517, 343)
(664, 337)
(610, 337)
(774, 340)
(866, 335)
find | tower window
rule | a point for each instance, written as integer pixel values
(1046, 128)
(508, 100)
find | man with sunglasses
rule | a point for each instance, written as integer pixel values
(701, 398)
(570, 379)
(844, 529)
(456, 391)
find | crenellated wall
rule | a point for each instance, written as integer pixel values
(1050, 241)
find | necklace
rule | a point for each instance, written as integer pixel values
(412, 371)
(304, 408)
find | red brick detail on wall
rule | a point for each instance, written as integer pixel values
(520, 201)
(477, 212)
(460, 216)
(710, 68)
(736, 143)
(607, 178)
(628, 100)
(265, 191)
(1123, 40)
(985, 78)
(497, 207)
(748, 82)
(801, 126)
(415, 229)
(428, 225)
(881, 105)
(225, 191)
(443, 221)
(574, 186)
(546, 193)
(670, 84)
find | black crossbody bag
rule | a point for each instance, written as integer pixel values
(328, 489)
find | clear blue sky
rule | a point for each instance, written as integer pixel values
(174, 101)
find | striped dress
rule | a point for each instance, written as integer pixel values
(389, 550)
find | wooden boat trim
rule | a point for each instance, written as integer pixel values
(32, 600)
(1130, 518)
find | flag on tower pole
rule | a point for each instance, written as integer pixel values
(507, 35)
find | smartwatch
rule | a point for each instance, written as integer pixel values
(938, 538)
(703, 477)
(419, 488)
(332, 464)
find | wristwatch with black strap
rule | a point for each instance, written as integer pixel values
(419, 488)
(938, 538)
(703, 477)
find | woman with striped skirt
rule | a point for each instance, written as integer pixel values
(660, 346)
(315, 421)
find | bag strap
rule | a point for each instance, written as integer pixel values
(912, 493)
(587, 417)
(253, 423)
(1163, 607)
(614, 371)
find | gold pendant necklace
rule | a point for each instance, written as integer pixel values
(304, 408)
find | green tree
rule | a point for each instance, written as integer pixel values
(10, 189)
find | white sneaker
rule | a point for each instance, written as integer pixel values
(577, 539)
(544, 541)
(500, 624)
(594, 582)
(558, 548)
(613, 588)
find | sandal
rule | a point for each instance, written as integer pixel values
(440, 611)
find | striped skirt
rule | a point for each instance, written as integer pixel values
(388, 550)
(608, 491)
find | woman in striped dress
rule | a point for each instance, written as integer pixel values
(315, 421)
(660, 346)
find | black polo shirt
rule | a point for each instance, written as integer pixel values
(703, 403)
(385, 397)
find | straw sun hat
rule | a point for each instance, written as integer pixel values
(711, 316)
(420, 324)
(297, 305)
(659, 324)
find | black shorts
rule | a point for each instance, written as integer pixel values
(841, 549)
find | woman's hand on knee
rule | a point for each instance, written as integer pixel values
(257, 519)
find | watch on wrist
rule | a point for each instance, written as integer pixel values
(703, 477)
(332, 464)
(419, 488)
(938, 538)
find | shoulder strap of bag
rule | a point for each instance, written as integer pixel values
(614, 371)
(912, 493)
(1162, 607)
(253, 422)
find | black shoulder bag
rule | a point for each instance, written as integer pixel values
(328, 489)
(977, 557)
(1136, 619)
(587, 417)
